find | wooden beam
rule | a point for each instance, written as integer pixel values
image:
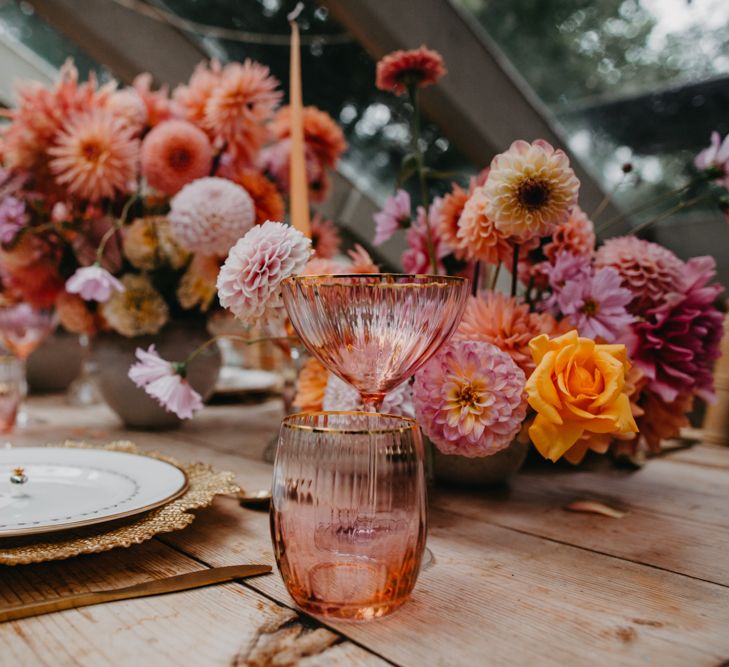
(125, 41)
(483, 104)
(20, 63)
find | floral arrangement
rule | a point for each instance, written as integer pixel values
(119, 205)
(595, 347)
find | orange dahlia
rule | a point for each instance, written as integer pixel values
(530, 190)
(156, 102)
(74, 314)
(311, 386)
(324, 237)
(477, 238)
(240, 105)
(449, 214)
(576, 236)
(193, 97)
(498, 319)
(321, 133)
(95, 156)
(174, 153)
(401, 69)
(267, 199)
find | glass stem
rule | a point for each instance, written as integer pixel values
(372, 402)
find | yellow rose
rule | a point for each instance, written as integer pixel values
(577, 388)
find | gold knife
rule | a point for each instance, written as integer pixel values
(180, 582)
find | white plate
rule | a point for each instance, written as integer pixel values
(69, 488)
(245, 380)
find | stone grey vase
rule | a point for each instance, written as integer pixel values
(114, 355)
(55, 364)
(485, 471)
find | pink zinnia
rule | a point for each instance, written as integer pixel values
(596, 306)
(715, 158)
(174, 153)
(395, 214)
(165, 382)
(416, 258)
(677, 343)
(469, 399)
(93, 283)
(249, 282)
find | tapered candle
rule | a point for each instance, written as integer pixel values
(299, 183)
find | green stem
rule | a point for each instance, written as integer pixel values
(668, 213)
(476, 278)
(638, 209)
(419, 159)
(515, 270)
(242, 339)
(118, 224)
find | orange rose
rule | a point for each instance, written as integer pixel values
(577, 387)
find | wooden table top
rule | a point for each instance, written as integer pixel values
(517, 579)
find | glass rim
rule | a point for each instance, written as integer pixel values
(429, 277)
(409, 423)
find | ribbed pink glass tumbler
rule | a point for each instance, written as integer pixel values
(348, 517)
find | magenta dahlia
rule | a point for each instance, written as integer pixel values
(677, 343)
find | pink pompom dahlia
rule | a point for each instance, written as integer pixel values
(531, 189)
(647, 269)
(677, 342)
(469, 399)
(175, 153)
(165, 382)
(210, 214)
(249, 282)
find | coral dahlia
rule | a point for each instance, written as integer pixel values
(400, 69)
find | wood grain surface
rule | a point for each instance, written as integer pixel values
(517, 580)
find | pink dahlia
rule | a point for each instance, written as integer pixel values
(469, 399)
(477, 238)
(240, 104)
(93, 283)
(400, 69)
(715, 159)
(95, 156)
(530, 189)
(13, 218)
(322, 136)
(249, 282)
(576, 236)
(156, 102)
(416, 258)
(128, 105)
(210, 214)
(340, 395)
(174, 153)
(395, 214)
(165, 382)
(596, 306)
(193, 97)
(647, 269)
(567, 268)
(677, 342)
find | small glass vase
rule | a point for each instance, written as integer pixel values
(349, 512)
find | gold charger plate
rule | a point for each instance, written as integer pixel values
(203, 485)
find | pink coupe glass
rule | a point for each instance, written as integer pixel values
(348, 513)
(374, 331)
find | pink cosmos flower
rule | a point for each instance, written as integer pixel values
(469, 398)
(416, 259)
(566, 268)
(93, 283)
(165, 382)
(12, 218)
(715, 157)
(249, 282)
(596, 306)
(395, 214)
